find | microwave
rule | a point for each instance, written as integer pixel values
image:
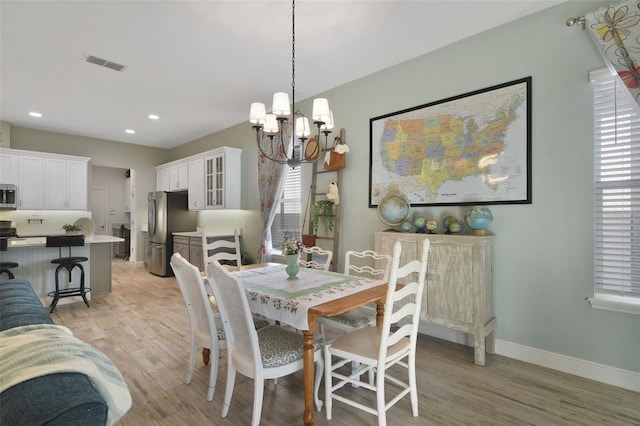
(8, 196)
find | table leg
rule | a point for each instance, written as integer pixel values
(379, 312)
(308, 355)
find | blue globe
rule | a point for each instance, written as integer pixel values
(478, 219)
(406, 226)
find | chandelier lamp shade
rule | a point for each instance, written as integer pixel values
(275, 130)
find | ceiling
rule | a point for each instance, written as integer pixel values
(200, 64)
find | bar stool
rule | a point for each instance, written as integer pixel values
(68, 263)
(5, 268)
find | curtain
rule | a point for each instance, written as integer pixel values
(271, 177)
(616, 32)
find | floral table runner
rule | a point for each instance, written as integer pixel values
(270, 293)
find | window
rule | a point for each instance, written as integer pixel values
(617, 196)
(287, 220)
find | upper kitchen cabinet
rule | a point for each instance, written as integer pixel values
(9, 164)
(196, 183)
(31, 182)
(172, 176)
(222, 178)
(46, 181)
(66, 183)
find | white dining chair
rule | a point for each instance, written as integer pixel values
(315, 257)
(207, 330)
(267, 353)
(379, 349)
(216, 248)
(368, 264)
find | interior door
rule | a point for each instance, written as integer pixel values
(98, 205)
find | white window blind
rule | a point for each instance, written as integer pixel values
(287, 221)
(617, 189)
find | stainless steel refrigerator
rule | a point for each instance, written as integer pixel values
(168, 213)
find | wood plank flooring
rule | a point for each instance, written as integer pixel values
(143, 327)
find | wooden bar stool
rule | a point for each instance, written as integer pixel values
(68, 263)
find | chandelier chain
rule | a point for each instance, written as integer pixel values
(293, 56)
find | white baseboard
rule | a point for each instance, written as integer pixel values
(579, 367)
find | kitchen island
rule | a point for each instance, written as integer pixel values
(36, 267)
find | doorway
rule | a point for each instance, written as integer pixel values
(98, 205)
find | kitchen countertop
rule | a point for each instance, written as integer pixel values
(41, 240)
(209, 232)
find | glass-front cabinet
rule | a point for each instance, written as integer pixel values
(222, 178)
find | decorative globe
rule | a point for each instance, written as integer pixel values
(478, 219)
(420, 224)
(431, 225)
(394, 210)
(454, 227)
(448, 220)
(406, 226)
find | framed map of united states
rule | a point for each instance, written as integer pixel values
(473, 148)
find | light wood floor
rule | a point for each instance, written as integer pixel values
(143, 327)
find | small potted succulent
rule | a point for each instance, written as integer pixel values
(72, 229)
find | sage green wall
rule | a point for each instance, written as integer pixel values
(543, 266)
(543, 269)
(104, 153)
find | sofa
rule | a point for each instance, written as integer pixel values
(61, 398)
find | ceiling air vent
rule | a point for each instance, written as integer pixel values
(104, 63)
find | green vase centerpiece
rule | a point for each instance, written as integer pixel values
(292, 266)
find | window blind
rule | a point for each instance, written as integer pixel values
(287, 221)
(617, 189)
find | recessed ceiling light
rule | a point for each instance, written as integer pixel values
(35, 114)
(130, 131)
(154, 116)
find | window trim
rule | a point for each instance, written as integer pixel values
(617, 301)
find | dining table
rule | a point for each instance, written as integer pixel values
(299, 302)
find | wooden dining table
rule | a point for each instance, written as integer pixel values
(373, 291)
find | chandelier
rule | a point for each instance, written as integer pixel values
(273, 131)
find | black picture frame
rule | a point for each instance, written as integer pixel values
(470, 149)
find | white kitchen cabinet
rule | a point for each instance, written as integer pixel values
(31, 183)
(178, 176)
(459, 288)
(9, 165)
(222, 178)
(65, 184)
(162, 178)
(196, 183)
(128, 195)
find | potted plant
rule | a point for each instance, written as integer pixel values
(323, 211)
(72, 229)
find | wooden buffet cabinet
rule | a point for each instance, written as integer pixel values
(459, 289)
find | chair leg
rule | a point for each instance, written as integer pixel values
(318, 378)
(192, 360)
(412, 383)
(258, 392)
(213, 373)
(328, 382)
(56, 295)
(82, 293)
(228, 392)
(380, 401)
